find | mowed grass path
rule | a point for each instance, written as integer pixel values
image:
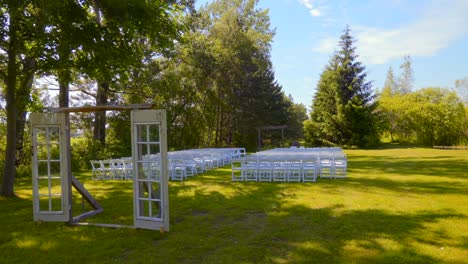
(397, 206)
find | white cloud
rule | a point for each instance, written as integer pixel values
(314, 11)
(442, 23)
(327, 45)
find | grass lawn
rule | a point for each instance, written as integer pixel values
(397, 206)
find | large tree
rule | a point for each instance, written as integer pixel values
(97, 38)
(343, 107)
(219, 84)
(23, 39)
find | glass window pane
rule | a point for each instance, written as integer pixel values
(156, 209)
(155, 190)
(155, 173)
(141, 133)
(43, 203)
(144, 207)
(43, 186)
(142, 151)
(56, 203)
(40, 133)
(41, 151)
(56, 186)
(154, 133)
(143, 190)
(54, 151)
(143, 170)
(42, 169)
(154, 148)
(55, 168)
(54, 135)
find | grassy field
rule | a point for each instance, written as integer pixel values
(397, 206)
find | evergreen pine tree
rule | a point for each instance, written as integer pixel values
(342, 110)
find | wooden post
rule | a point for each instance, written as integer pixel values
(259, 138)
(89, 198)
(282, 135)
(69, 169)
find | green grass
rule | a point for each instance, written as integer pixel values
(397, 206)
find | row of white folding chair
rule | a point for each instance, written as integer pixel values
(275, 170)
(182, 166)
(223, 155)
(111, 169)
(333, 166)
(291, 170)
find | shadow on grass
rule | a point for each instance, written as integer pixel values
(257, 227)
(214, 220)
(403, 187)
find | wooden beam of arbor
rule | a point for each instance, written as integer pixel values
(95, 108)
(271, 127)
(89, 198)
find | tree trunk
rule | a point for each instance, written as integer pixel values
(100, 117)
(9, 170)
(64, 81)
(22, 101)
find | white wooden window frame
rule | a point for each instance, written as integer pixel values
(46, 121)
(146, 118)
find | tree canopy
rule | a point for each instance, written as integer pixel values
(96, 38)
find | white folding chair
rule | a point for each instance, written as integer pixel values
(97, 172)
(264, 170)
(177, 170)
(128, 168)
(340, 163)
(294, 170)
(309, 170)
(237, 174)
(249, 169)
(108, 172)
(117, 168)
(280, 171)
(326, 166)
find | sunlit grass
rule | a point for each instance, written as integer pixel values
(402, 205)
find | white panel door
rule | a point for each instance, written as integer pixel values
(51, 183)
(149, 152)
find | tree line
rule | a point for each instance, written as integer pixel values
(210, 68)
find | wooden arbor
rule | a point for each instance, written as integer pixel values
(53, 180)
(260, 129)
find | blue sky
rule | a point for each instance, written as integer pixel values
(434, 33)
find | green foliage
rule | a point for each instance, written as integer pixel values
(297, 114)
(99, 39)
(118, 141)
(438, 116)
(430, 116)
(85, 149)
(343, 107)
(218, 84)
